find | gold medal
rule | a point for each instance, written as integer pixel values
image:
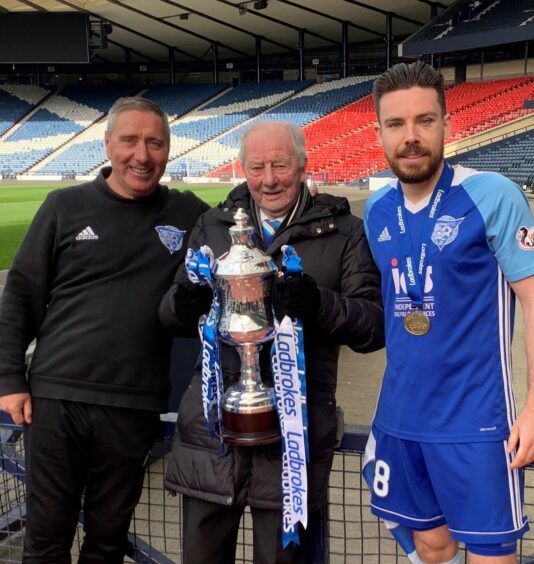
(417, 323)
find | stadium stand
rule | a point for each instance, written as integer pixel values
(513, 157)
(81, 156)
(487, 15)
(342, 146)
(474, 24)
(16, 101)
(78, 158)
(63, 135)
(487, 104)
(304, 108)
(231, 109)
(53, 123)
(86, 152)
(348, 136)
(474, 107)
(177, 101)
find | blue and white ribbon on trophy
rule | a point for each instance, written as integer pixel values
(199, 266)
(289, 376)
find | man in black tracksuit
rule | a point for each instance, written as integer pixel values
(86, 284)
(337, 298)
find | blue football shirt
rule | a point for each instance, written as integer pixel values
(454, 383)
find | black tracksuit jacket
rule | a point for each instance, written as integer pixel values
(86, 283)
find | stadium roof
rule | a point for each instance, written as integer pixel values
(148, 28)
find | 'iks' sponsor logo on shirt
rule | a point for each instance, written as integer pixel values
(403, 302)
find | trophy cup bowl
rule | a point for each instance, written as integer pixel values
(243, 281)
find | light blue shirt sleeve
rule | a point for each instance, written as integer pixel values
(505, 210)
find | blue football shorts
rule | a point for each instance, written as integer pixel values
(467, 486)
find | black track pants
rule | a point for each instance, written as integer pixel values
(73, 447)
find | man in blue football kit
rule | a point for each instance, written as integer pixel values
(447, 449)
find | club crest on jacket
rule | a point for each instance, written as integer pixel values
(171, 237)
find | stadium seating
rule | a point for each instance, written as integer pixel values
(57, 120)
(513, 157)
(176, 101)
(86, 152)
(223, 112)
(63, 134)
(16, 101)
(226, 112)
(475, 17)
(494, 15)
(342, 146)
(307, 107)
(474, 106)
(478, 106)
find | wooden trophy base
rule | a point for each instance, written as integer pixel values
(250, 429)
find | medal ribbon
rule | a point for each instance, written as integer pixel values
(415, 275)
(289, 375)
(199, 267)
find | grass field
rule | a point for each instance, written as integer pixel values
(19, 202)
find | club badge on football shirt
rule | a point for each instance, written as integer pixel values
(525, 238)
(446, 230)
(171, 237)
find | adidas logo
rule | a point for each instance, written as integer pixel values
(384, 236)
(86, 234)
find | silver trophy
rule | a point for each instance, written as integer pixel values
(243, 279)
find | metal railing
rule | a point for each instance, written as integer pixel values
(346, 532)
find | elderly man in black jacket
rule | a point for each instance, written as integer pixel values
(338, 299)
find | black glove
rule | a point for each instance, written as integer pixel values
(300, 296)
(191, 301)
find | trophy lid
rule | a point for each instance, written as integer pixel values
(243, 258)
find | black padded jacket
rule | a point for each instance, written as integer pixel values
(335, 252)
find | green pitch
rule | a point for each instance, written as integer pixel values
(19, 202)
